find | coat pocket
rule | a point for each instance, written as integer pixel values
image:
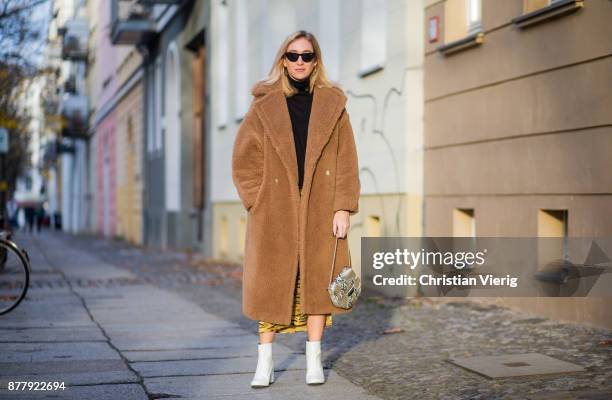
(258, 198)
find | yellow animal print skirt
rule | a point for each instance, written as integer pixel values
(298, 320)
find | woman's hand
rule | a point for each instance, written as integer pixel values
(341, 223)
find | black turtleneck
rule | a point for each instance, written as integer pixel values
(299, 110)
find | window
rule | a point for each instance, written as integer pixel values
(151, 113)
(329, 36)
(464, 224)
(461, 19)
(536, 11)
(532, 5)
(198, 65)
(274, 27)
(462, 25)
(552, 224)
(474, 13)
(223, 65)
(241, 59)
(159, 109)
(373, 36)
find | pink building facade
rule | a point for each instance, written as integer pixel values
(106, 176)
(103, 87)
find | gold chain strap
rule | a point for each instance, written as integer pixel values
(348, 249)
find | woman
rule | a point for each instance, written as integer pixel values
(295, 168)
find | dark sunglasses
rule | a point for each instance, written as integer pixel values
(306, 57)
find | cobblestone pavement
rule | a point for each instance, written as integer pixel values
(410, 364)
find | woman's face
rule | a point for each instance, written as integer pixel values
(299, 69)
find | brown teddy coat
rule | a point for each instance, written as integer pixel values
(284, 226)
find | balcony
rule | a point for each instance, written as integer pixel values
(52, 148)
(74, 115)
(74, 39)
(70, 85)
(132, 22)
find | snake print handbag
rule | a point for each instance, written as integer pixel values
(346, 287)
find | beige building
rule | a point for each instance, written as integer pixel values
(518, 126)
(130, 135)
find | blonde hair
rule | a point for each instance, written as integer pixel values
(318, 76)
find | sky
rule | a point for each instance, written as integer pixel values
(38, 20)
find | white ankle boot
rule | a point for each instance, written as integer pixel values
(314, 368)
(264, 373)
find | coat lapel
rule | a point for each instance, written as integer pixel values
(327, 105)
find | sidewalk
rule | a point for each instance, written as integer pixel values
(108, 334)
(118, 322)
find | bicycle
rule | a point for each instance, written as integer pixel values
(15, 272)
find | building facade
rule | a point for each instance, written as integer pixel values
(167, 169)
(518, 126)
(104, 124)
(130, 140)
(66, 149)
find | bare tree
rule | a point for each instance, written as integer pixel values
(20, 36)
(20, 39)
(15, 121)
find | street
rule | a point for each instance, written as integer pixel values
(114, 321)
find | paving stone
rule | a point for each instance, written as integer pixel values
(146, 333)
(508, 365)
(28, 311)
(193, 354)
(70, 372)
(41, 352)
(147, 343)
(212, 325)
(217, 366)
(287, 384)
(52, 334)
